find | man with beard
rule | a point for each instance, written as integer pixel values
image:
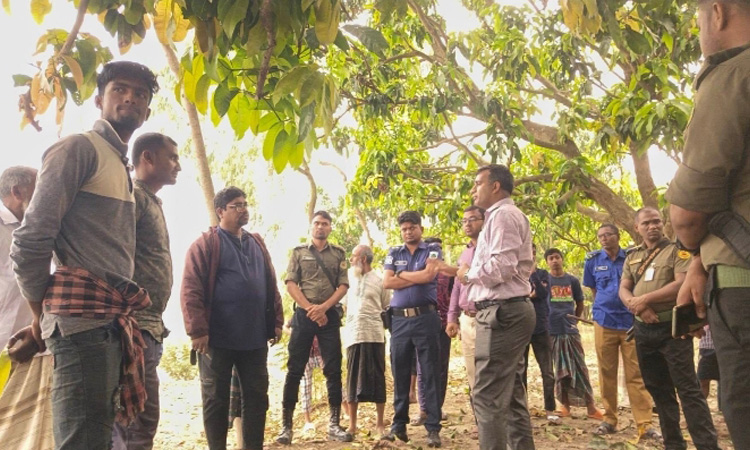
(710, 201)
(16, 188)
(411, 270)
(232, 307)
(157, 164)
(317, 280)
(651, 277)
(365, 353)
(83, 211)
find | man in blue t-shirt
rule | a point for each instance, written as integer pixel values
(602, 273)
(416, 325)
(572, 385)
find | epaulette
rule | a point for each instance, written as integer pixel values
(630, 250)
(590, 255)
(395, 247)
(338, 247)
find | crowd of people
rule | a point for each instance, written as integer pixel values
(86, 340)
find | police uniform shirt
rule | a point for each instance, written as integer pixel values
(399, 259)
(304, 270)
(715, 171)
(603, 274)
(660, 272)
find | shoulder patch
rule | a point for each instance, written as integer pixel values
(343, 265)
(683, 254)
(630, 250)
(590, 255)
(389, 259)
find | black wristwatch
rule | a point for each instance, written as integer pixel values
(692, 251)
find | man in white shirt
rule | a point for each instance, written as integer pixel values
(16, 187)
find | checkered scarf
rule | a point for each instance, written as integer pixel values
(76, 292)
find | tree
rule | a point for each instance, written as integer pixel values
(614, 76)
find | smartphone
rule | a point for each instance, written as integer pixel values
(193, 357)
(685, 320)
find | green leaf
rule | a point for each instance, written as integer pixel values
(372, 39)
(253, 116)
(327, 16)
(270, 141)
(267, 121)
(39, 9)
(230, 13)
(21, 80)
(311, 89)
(238, 111)
(668, 40)
(134, 14)
(637, 42)
(223, 97)
(86, 58)
(291, 82)
(281, 150)
(201, 94)
(297, 155)
(341, 42)
(312, 39)
(306, 119)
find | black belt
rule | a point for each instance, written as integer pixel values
(487, 303)
(413, 312)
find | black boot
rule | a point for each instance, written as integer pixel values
(285, 437)
(335, 432)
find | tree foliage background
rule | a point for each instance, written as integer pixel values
(564, 93)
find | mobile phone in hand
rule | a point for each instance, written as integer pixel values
(685, 320)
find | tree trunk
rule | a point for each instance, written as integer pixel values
(199, 145)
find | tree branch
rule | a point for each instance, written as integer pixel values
(266, 18)
(70, 40)
(304, 169)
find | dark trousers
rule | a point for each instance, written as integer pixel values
(140, 434)
(543, 354)
(329, 342)
(409, 335)
(729, 317)
(444, 364)
(216, 377)
(667, 364)
(503, 331)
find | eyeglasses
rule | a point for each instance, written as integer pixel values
(606, 235)
(470, 220)
(238, 206)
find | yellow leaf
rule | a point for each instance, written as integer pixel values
(39, 9)
(42, 103)
(162, 14)
(35, 87)
(6, 6)
(75, 70)
(327, 16)
(24, 121)
(181, 24)
(146, 21)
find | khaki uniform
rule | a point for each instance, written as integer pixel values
(715, 176)
(668, 261)
(666, 363)
(304, 270)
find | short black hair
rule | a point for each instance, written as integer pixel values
(475, 208)
(553, 251)
(129, 70)
(645, 208)
(611, 226)
(224, 196)
(149, 141)
(324, 214)
(433, 240)
(501, 174)
(411, 217)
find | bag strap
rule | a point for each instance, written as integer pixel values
(322, 266)
(649, 259)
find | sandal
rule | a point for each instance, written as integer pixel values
(598, 415)
(604, 428)
(553, 419)
(650, 434)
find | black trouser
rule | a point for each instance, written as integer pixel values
(216, 377)
(543, 355)
(667, 364)
(329, 341)
(729, 317)
(443, 364)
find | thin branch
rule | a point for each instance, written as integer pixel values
(74, 31)
(467, 151)
(402, 56)
(596, 216)
(266, 18)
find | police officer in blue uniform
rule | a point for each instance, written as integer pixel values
(602, 274)
(415, 324)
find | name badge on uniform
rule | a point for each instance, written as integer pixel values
(600, 268)
(401, 263)
(649, 274)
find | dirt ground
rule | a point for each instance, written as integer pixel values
(181, 424)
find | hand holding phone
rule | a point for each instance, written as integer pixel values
(685, 320)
